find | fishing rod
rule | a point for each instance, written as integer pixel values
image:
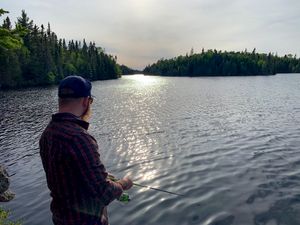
(157, 189)
(126, 196)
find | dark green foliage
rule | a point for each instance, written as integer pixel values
(10, 39)
(31, 55)
(217, 63)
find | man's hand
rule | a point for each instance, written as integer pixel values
(126, 183)
(112, 177)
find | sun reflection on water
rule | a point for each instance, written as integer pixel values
(139, 153)
(138, 134)
(142, 79)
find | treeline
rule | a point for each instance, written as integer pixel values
(31, 55)
(218, 63)
(129, 71)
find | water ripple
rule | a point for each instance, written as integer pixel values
(229, 145)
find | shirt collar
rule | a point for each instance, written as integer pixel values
(59, 117)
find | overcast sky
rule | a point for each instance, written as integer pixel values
(140, 32)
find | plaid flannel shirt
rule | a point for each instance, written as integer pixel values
(76, 177)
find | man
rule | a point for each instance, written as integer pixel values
(77, 179)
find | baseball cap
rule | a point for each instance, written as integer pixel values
(74, 87)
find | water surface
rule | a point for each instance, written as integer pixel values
(229, 144)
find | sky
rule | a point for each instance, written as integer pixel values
(139, 32)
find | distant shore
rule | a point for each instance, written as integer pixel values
(218, 63)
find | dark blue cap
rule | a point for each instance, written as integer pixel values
(74, 87)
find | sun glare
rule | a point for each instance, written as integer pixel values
(142, 79)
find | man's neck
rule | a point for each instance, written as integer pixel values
(66, 110)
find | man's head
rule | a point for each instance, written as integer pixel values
(74, 94)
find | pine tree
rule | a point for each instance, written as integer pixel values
(7, 24)
(24, 21)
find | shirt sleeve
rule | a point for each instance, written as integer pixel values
(92, 170)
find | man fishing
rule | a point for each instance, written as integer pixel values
(77, 179)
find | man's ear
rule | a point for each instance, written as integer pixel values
(85, 102)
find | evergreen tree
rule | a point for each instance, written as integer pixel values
(24, 21)
(7, 24)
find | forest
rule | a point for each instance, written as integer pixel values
(32, 55)
(218, 63)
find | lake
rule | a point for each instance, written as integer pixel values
(230, 145)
